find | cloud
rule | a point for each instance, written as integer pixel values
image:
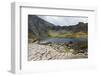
(64, 20)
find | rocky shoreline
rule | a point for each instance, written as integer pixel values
(38, 52)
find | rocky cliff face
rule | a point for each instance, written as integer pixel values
(38, 27)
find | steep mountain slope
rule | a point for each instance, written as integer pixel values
(38, 27)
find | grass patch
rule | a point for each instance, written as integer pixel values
(65, 34)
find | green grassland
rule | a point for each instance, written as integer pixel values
(67, 34)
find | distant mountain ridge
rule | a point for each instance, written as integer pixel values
(75, 28)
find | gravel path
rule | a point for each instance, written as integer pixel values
(45, 52)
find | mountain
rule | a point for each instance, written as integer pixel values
(37, 26)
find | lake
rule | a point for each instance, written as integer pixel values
(61, 40)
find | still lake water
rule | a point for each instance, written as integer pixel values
(61, 40)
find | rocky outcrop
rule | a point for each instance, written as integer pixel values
(46, 52)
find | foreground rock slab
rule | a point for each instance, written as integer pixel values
(38, 52)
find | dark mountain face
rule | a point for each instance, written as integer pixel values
(37, 26)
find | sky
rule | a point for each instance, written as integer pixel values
(65, 20)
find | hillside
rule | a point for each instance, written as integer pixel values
(38, 26)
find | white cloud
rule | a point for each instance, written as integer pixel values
(66, 20)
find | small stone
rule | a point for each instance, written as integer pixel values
(48, 56)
